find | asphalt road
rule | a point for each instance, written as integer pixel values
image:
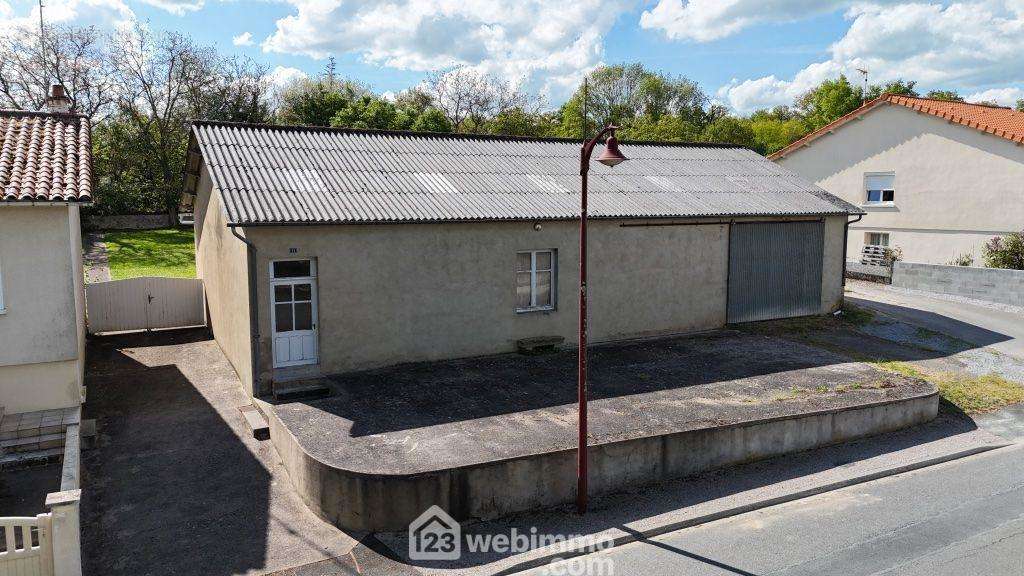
(963, 517)
(993, 327)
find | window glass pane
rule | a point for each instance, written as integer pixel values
(292, 269)
(543, 288)
(523, 290)
(543, 260)
(303, 316)
(283, 293)
(303, 293)
(887, 195)
(883, 239)
(874, 195)
(523, 262)
(283, 316)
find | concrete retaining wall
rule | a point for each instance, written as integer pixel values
(355, 501)
(992, 284)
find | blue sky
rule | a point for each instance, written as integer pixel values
(744, 53)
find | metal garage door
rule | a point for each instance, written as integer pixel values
(774, 270)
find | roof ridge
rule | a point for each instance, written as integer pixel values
(453, 135)
(982, 104)
(12, 113)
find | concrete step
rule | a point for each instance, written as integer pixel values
(256, 422)
(300, 391)
(33, 443)
(17, 460)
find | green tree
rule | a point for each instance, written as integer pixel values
(730, 130)
(948, 95)
(830, 100)
(899, 87)
(432, 120)
(637, 99)
(1020, 105)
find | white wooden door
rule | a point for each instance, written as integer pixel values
(294, 312)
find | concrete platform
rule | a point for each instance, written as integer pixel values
(484, 437)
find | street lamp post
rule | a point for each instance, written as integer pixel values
(610, 156)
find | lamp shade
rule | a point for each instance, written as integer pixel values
(611, 155)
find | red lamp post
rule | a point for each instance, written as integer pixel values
(609, 157)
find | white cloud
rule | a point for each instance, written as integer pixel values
(101, 13)
(176, 7)
(282, 76)
(539, 45)
(706, 20)
(962, 46)
(243, 39)
(1004, 96)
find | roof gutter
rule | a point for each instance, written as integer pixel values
(254, 313)
(725, 217)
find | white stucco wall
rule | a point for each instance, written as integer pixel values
(956, 187)
(222, 264)
(42, 328)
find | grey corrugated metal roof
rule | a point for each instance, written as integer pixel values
(283, 175)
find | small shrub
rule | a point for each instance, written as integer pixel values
(892, 255)
(1006, 251)
(962, 260)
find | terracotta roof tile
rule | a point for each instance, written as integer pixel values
(999, 121)
(44, 157)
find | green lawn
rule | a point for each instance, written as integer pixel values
(163, 252)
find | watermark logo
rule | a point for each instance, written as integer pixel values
(435, 535)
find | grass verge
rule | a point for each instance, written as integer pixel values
(972, 394)
(163, 252)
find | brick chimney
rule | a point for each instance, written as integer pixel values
(58, 101)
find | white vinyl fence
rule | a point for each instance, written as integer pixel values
(145, 303)
(27, 548)
(48, 544)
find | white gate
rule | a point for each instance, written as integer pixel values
(145, 304)
(28, 549)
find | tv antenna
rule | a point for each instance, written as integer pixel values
(864, 94)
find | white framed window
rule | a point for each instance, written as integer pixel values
(877, 239)
(880, 188)
(535, 280)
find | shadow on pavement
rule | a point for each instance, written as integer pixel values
(424, 394)
(960, 335)
(169, 488)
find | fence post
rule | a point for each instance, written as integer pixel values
(65, 532)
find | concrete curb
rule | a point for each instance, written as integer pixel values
(640, 535)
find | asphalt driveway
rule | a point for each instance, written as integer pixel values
(176, 483)
(997, 327)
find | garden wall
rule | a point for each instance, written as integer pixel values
(992, 284)
(125, 222)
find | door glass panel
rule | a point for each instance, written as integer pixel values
(303, 293)
(543, 260)
(303, 316)
(543, 288)
(523, 262)
(283, 293)
(283, 316)
(523, 290)
(292, 269)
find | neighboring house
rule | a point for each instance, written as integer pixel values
(937, 179)
(328, 250)
(45, 175)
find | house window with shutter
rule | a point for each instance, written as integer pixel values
(881, 188)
